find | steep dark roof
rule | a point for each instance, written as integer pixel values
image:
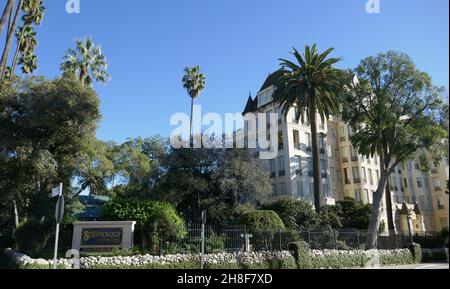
(251, 106)
(272, 79)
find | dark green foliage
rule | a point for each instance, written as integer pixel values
(416, 252)
(295, 214)
(256, 221)
(156, 220)
(434, 255)
(301, 253)
(397, 259)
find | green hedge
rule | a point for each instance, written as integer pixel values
(434, 255)
(257, 221)
(416, 251)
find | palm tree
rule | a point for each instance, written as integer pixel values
(194, 83)
(311, 85)
(9, 38)
(87, 62)
(5, 15)
(26, 44)
(26, 36)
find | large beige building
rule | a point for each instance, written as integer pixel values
(345, 173)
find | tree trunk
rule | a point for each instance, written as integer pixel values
(16, 218)
(9, 40)
(316, 161)
(389, 209)
(16, 54)
(375, 219)
(5, 15)
(191, 133)
(83, 75)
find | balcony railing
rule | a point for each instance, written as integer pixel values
(282, 173)
(343, 139)
(434, 171)
(345, 160)
(356, 180)
(354, 158)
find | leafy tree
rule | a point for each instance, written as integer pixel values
(87, 62)
(194, 83)
(393, 109)
(256, 221)
(155, 220)
(310, 85)
(45, 126)
(354, 215)
(296, 215)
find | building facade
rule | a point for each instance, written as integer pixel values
(417, 205)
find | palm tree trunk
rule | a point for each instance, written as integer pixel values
(16, 54)
(5, 15)
(9, 40)
(316, 160)
(191, 132)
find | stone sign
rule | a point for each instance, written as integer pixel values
(102, 237)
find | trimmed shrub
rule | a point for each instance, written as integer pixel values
(434, 255)
(302, 256)
(416, 252)
(257, 221)
(155, 220)
(397, 257)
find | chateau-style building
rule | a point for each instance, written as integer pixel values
(417, 198)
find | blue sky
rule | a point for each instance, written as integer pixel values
(236, 42)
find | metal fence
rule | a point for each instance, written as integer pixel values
(232, 239)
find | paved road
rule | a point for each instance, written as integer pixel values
(437, 266)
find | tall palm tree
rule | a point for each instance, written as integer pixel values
(311, 85)
(87, 62)
(194, 83)
(26, 36)
(9, 38)
(5, 15)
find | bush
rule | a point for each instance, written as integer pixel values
(155, 220)
(214, 244)
(434, 255)
(32, 237)
(403, 257)
(257, 221)
(302, 256)
(294, 214)
(416, 252)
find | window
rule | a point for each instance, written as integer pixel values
(344, 155)
(365, 175)
(280, 140)
(347, 179)
(370, 177)
(406, 183)
(308, 141)
(321, 124)
(419, 183)
(323, 168)
(342, 134)
(326, 191)
(367, 196)
(322, 145)
(300, 189)
(375, 159)
(310, 166)
(350, 131)
(282, 189)
(437, 184)
(298, 165)
(353, 154)
(281, 167)
(273, 168)
(377, 172)
(274, 189)
(440, 204)
(356, 175)
(358, 195)
(296, 139)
